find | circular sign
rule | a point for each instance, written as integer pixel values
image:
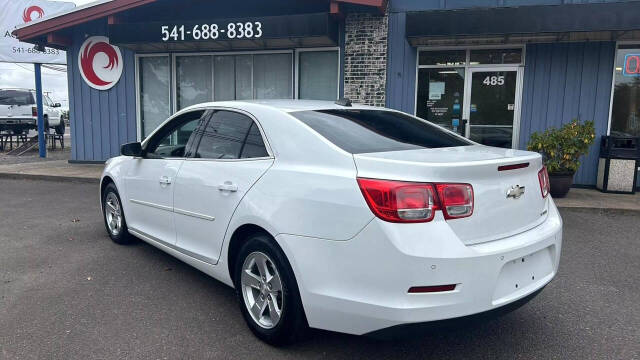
(100, 63)
(27, 14)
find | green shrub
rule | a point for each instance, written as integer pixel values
(561, 148)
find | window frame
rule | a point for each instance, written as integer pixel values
(613, 76)
(138, 95)
(297, 67)
(160, 132)
(174, 77)
(172, 55)
(468, 50)
(468, 68)
(265, 140)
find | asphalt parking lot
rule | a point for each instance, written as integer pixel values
(68, 292)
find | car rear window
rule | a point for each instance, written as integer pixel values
(366, 131)
(16, 97)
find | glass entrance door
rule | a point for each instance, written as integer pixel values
(492, 105)
(473, 92)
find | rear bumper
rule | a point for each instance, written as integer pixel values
(361, 285)
(401, 331)
(18, 121)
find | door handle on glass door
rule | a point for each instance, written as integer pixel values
(228, 186)
(165, 180)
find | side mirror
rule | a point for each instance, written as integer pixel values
(131, 149)
(57, 105)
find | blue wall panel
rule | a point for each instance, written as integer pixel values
(401, 66)
(566, 81)
(100, 120)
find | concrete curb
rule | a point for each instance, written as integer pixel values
(602, 210)
(19, 176)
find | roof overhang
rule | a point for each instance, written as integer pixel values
(77, 16)
(44, 30)
(571, 22)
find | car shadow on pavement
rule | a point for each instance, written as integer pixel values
(411, 341)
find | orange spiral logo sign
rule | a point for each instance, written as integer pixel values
(27, 14)
(100, 63)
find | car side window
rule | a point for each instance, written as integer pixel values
(47, 101)
(177, 138)
(231, 135)
(254, 145)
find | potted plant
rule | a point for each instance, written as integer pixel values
(561, 150)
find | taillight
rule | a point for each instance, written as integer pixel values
(457, 200)
(409, 202)
(34, 111)
(543, 177)
(398, 201)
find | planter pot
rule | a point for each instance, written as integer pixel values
(560, 184)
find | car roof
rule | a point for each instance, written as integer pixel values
(284, 105)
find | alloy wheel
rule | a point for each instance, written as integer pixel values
(262, 290)
(113, 214)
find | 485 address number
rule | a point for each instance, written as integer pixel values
(240, 30)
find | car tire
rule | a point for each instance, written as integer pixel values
(60, 129)
(113, 215)
(275, 329)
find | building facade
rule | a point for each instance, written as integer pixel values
(492, 70)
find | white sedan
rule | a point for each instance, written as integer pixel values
(337, 216)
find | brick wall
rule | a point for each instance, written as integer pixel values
(365, 58)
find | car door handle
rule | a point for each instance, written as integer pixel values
(165, 180)
(228, 186)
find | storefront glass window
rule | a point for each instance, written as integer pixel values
(496, 56)
(154, 92)
(244, 64)
(625, 114)
(193, 77)
(260, 76)
(318, 75)
(224, 78)
(443, 58)
(440, 97)
(246, 76)
(272, 76)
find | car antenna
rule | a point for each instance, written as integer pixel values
(343, 102)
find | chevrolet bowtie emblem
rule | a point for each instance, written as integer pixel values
(515, 192)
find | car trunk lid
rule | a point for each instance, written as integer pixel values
(496, 215)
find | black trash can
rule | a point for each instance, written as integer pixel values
(618, 165)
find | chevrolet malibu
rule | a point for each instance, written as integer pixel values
(337, 216)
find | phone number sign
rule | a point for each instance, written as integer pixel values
(270, 27)
(232, 30)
